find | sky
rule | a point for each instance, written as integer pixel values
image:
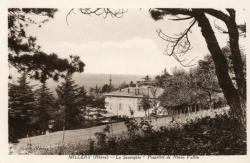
(127, 45)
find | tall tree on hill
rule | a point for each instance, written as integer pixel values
(46, 106)
(68, 100)
(21, 108)
(179, 45)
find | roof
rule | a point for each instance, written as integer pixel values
(137, 92)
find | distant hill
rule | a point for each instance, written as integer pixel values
(91, 80)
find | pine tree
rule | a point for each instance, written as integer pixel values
(21, 108)
(69, 101)
(81, 96)
(46, 105)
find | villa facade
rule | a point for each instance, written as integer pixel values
(127, 101)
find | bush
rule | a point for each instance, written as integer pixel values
(220, 135)
(204, 136)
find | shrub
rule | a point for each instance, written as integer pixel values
(220, 135)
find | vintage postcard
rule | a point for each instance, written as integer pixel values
(124, 81)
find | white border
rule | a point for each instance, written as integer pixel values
(4, 4)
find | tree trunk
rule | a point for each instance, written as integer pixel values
(236, 55)
(210, 100)
(221, 68)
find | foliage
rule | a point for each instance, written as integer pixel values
(132, 126)
(132, 84)
(160, 79)
(227, 52)
(21, 108)
(42, 66)
(24, 53)
(177, 90)
(97, 102)
(198, 86)
(220, 135)
(70, 100)
(179, 45)
(206, 136)
(145, 104)
(204, 76)
(102, 136)
(106, 88)
(18, 20)
(46, 106)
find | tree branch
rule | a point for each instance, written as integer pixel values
(216, 13)
(118, 13)
(178, 46)
(68, 15)
(178, 19)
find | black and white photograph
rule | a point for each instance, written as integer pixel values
(126, 82)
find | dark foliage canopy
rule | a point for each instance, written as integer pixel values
(24, 53)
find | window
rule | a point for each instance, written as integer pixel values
(140, 108)
(120, 106)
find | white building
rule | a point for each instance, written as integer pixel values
(127, 101)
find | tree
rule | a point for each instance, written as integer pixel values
(204, 78)
(177, 91)
(106, 88)
(123, 85)
(81, 98)
(98, 102)
(21, 108)
(180, 45)
(18, 19)
(160, 79)
(146, 78)
(145, 104)
(41, 66)
(132, 84)
(46, 106)
(235, 96)
(68, 97)
(25, 55)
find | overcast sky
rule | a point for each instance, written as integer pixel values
(128, 45)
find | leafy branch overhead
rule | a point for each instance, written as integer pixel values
(104, 12)
(41, 66)
(18, 20)
(24, 53)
